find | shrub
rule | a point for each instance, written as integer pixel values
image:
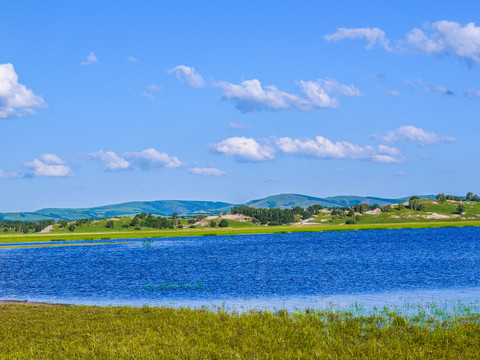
(223, 223)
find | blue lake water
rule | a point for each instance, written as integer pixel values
(299, 270)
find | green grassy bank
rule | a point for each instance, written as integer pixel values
(12, 238)
(82, 332)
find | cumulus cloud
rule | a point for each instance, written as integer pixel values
(439, 38)
(414, 134)
(91, 59)
(323, 148)
(152, 159)
(188, 75)
(244, 149)
(373, 36)
(110, 160)
(250, 95)
(209, 171)
(48, 165)
(15, 99)
(445, 38)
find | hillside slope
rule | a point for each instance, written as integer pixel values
(191, 208)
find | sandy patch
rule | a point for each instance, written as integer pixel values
(234, 217)
(47, 229)
(439, 216)
(395, 217)
(374, 212)
(306, 222)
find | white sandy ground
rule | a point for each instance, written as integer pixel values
(306, 222)
(235, 217)
(47, 229)
(374, 212)
(439, 216)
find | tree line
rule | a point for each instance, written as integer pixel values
(276, 216)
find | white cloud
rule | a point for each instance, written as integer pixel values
(48, 165)
(439, 38)
(132, 59)
(110, 160)
(9, 175)
(414, 134)
(152, 159)
(188, 75)
(51, 159)
(323, 148)
(392, 93)
(91, 59)
(373, 36)
(150, 97)
(210, 171)
(15, 99)
(250, 95)
(446, 37)
(270, 179)
(244, 149)
(472, 93)
(154, 87)
(239, 126)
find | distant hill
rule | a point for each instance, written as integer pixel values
(162, 207)
(192, 208)
(284, 201)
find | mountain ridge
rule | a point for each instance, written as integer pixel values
(192, 208)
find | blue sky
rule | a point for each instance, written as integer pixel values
(117, 101)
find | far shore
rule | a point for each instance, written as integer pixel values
(131, 234)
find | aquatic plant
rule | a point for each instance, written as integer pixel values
(89, 332)
(147, 243)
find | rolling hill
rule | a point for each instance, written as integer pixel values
(192, 208)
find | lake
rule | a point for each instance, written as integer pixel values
(271, 271)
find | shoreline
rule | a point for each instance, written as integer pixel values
(32, 303)
(228, 231)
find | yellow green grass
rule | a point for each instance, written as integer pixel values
(83, 332)
(228, 231)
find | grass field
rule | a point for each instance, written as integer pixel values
(82, 332)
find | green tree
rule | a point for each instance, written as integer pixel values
(63, 223)
(441, 197)
(469, 196)
(213, 223)
(110, 224)
(223, 223)
(71, 227)
(401, 206)
(415, 205)
(460, 208)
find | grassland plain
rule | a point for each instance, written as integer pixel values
(89, 332)
(434, 215)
